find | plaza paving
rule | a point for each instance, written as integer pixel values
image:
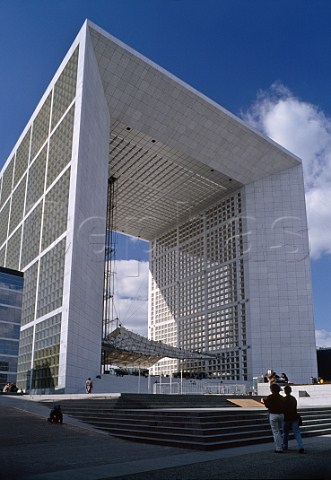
(33, 449)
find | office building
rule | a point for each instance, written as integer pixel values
(11, 291)
(222, 206)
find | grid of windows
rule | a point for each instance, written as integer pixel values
(23, 179)
(165, 365)
(34, 198)
(8, 347)
(11, 288)
(8, 369)
(7, 182)
(24, 358)
(13, 250)
(65, 89)
(36, 179)
(31, 236)
(17, 205)
(191, 295)
(167, 332)
(222, 285)
(51, 276)
(192, 333)
(41, 127)
(29, 294)
(224, 211)
(4, 217)
(60, 147)
(222, 244)
(165, 243)
(22, 158)
(46, 353)
(229, 365)
(165, 275)
(191, 259)
(198, 294)
(10, 316)
(190, 229)
(10, 329)
(223, 328)
(161, 302)
(56, 210)
(233, 365)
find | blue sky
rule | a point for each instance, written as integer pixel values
(267, 61)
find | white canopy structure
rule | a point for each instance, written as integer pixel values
(125, 348)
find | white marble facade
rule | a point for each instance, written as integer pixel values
(282, 334)
(176, 155)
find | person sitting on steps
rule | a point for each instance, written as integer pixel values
(56, 415)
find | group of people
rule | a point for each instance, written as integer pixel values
(10, 388)
(274, 378)
(283, 417)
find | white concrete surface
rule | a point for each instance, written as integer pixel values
(306, 395)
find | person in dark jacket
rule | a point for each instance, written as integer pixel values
(275, 406)
(291, 420)
(56, 415)
(283, 378)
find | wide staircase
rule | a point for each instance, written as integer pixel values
(188, 421)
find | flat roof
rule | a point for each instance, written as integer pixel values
(10, 271)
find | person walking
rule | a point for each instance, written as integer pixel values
(291, 420)
(275, 405)
(88, 385)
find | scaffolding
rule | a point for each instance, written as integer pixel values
(108, 315)
(125, 348)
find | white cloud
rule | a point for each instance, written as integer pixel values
(304, 130)
(323, 338)
(130, 296)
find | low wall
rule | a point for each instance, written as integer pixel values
(306, 395)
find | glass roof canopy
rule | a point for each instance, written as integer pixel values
(125, 348)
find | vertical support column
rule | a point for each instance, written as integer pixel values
(108, 292)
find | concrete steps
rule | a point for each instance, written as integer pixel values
(187, 427)
(146, 401)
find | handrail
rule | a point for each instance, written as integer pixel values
(198, 388)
